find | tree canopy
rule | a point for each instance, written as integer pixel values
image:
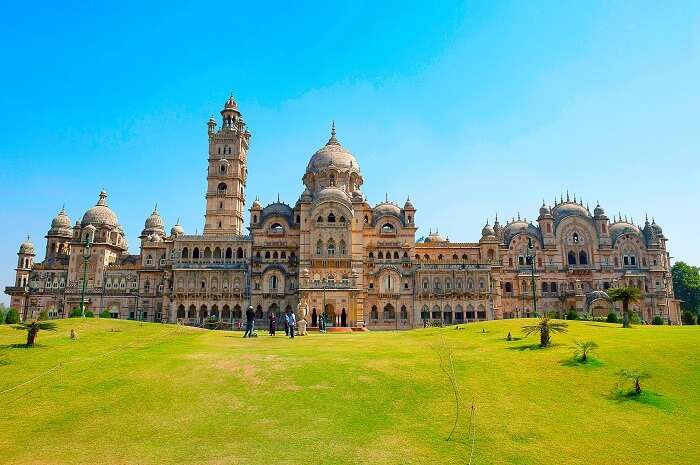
(686, 284)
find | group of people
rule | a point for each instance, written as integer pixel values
(290, 323)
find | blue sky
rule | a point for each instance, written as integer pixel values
(471, 108)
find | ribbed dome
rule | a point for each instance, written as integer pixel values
(563, 210)
(516, 227)
(100, 214)
(387, 208)
(434, 237)
(61, 225)
(154, 221)
(622, 227)
(332, 194)
(177, 230)
(332, 154)
(488, 231)
(26, 247)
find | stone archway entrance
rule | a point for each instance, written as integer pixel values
(330, 314)
(343, 318)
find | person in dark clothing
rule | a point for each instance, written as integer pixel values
(286, 325)
(249, 322)
(273, 323)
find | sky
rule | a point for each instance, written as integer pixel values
(469, 108)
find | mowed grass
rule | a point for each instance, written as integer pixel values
(132, 393)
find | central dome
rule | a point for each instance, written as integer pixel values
(332, 154)
(100, 213)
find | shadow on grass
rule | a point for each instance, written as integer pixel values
(646, 397)
(576, 362)
(19, 346)
(532, 347)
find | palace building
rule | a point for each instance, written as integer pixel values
(332, 250)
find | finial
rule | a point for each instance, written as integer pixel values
(518, 215)
(278, 197)
(155, 208)
(597, 204)
(587, 209)
(496, 218)
(574, 197)
(646, 217)
(567, 195)
(653, 221)
(178, 221)
(386, 197)
(561, 198)
(543, 203)
(430, 231)
(333, 128)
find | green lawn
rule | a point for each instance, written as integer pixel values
(131, 393)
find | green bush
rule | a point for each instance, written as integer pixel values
(572, 314)
(689, 318)
(12, 317)
(658, 321)
(43, 315)
(76, 313)
(105, 314)
(634, 318)
(89, 314)
(613, 318)
(2, 315)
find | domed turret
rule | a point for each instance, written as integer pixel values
(333, 153)
(545, 211)
(598, 210)
(435, 237)
(177, 230)
(61, 225)
(26, 247)
(487, 232)
(100, 214)
(154, 224)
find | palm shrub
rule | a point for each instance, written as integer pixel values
(12, 317)
(582, 349)
(634, 376)
(626, 295)
(545, 327)
(33, 328)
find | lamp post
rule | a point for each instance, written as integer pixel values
(531, 256)
(87, 251)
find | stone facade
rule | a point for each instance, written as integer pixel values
(338, 254)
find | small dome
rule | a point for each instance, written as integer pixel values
(487, 231)
(230, 104)
(544, 211)
(656, 227)
(256, 205)
(434, 237)
(61, 224)
(26, 247)
(565, 209)
(386, 208)
(100, 214)
(177, 230)
(619, 228)
(408, 205)
(154, 221)
(332, 194)
(332, 154)
(519, 226)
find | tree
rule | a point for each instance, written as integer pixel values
(33, 328)
(545, 326)
(626, 295)
(582, 349)
(12, 317)
(635, 376)
(686, 285)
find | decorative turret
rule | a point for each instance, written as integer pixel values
(177, 230)
(59, 236)
(211, 125)
(602, 225)
(409, 212)
(255, 211)
(498, 229)
(546, 225)
(25, 261)
(154, 226)
(487, 232)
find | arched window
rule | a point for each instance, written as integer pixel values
(331, 247)
(217, 252)
(223, 168)
(374, 314)
(331, 180)
(426, 257)
(207, 252)
(195, 252)
(229, 253)
(404, 313)
(545, 287)
(572, 258)
(319, 219)
(582, 258)
(396, 255)
(331, 218)
(222, 188)
(389, 313)
(341, 247)
(273, 282)
(342, 219)
(185, 253)
(276, 228)
(371, 255)
(388, 228)
(455, 257)
(239, 253)
(319, 247)
(274, 255)
(267, 254)
(283, 254)
(509, 287)
(574, 238)
(553, 287)
(380, 255)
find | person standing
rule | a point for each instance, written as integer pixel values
(286, 324)
(291, 319)
(249, 322)
(273, 323)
